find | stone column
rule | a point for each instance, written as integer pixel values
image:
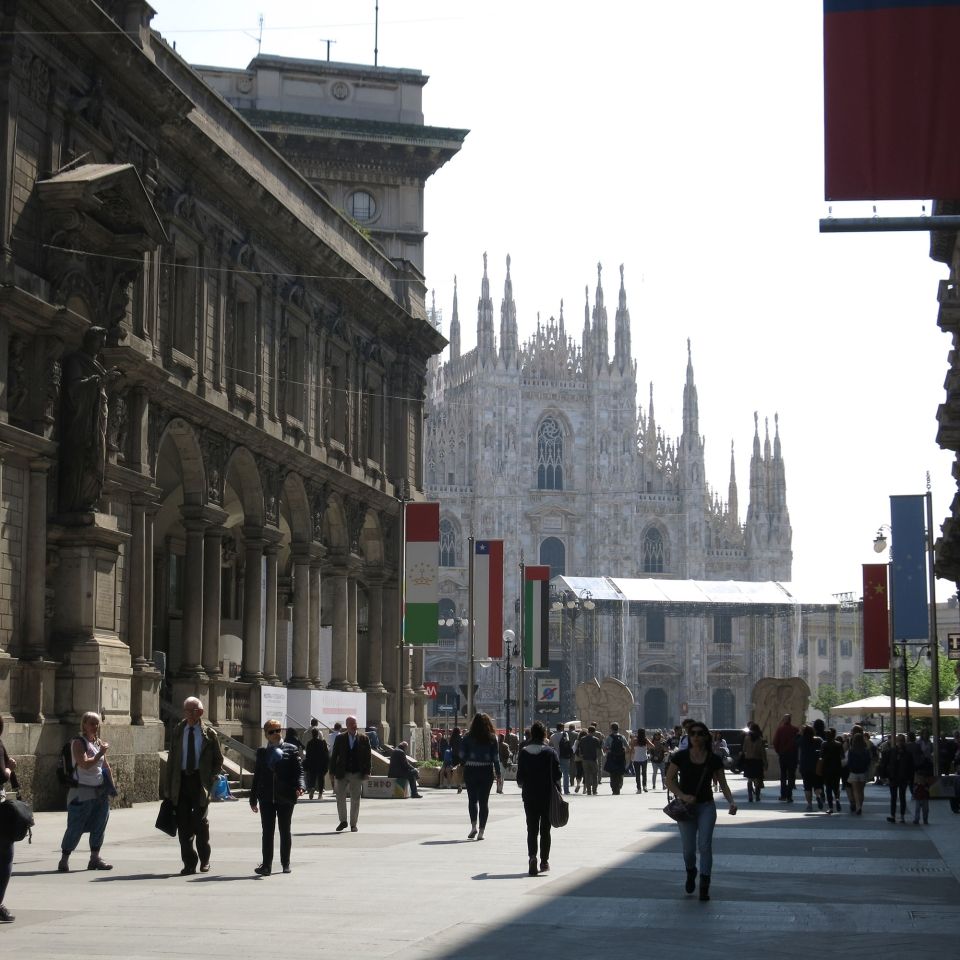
(148, 581)
(145, 682)
(390, 638)
(252, 608)
(419, 693)
(301, 616)
(352, 683)
(35, 574)
(136, 569)
(338, 659)
(270, 671)
(212, 581)
(192, 627)
(374, 677)
(314, 644)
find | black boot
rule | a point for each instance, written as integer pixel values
(749, 791)
(704, 887)
(691, 883)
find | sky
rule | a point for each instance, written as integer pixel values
(683, 140)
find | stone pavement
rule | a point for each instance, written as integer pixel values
(409, 885)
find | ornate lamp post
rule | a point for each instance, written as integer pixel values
(511, 651)
(570, 604)
(457, 623)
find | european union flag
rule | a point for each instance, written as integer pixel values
(908, 569)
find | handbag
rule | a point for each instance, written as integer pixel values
(559, 809)
(16, 819)
(676, 809)
(167, 818)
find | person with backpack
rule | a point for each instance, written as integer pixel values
(615, 748)
(88, 803)
(565, 753)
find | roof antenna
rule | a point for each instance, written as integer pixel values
(376, 29)
(327, 42)
(260, 38)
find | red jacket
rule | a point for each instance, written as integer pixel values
(785, 738)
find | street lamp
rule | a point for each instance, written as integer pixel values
(511, 650)
(570, 603)
(457, 622)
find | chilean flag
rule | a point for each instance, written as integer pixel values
(488, 599)
(891, 80)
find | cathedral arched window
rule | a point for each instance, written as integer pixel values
(656, 714)
(724, 710)
(549, 455)
(653, 553)
(449, 541)
(553, 553)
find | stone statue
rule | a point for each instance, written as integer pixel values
(604, 703)
(773, 697)
(83, 425)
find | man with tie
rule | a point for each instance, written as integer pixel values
(193, 763)
(349, 766)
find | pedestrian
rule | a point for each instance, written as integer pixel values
(277, 785)
(753, 761)
(896, 766)
(513, 741)
(402, 769)
(831, 756)
(858, 766)
(641, 747)
(615, 748)
(349, 767)
(88, 803)
(589, 747)
(447, 769)
(690, 774)
(565, 752)
(8, 777)
(808, 755)
(193, 763)
(922, 780)
(538, 775)
(292, 737)
(481, 764)
(657, 752)
(316, 762)
(785, 745)
(504, 752)
(456, 773)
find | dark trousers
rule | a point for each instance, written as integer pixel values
(192, 820)
(788, 774)
(314, 779)
(898, 790)
(478, 781)
(616, 782)
(640, 771)
(276, 815)
(6, 866)
(538, 828)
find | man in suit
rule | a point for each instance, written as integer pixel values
(349, 767)
(193, 763)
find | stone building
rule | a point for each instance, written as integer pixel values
(211, 385)
(542, 444)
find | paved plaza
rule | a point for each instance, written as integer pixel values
(786, 883)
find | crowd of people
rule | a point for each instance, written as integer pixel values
(689, 761)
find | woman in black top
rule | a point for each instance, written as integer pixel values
(538, 774)
(690, 774)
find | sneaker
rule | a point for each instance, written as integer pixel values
(262, 870)
(6, 916)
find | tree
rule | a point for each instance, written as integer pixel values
(828, 696)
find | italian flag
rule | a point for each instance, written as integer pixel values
(488, 599)
(421, 584)
(536, 617)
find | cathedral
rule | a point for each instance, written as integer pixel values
(542, 444)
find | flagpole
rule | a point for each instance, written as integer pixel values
(402, 592)
(471, 546)
(934, 646)
(522, 685)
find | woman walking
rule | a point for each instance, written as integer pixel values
(753, 761)
(577, 766)
(689, 778)
(538, 775)
(316, 762)
(858, 765)
(481, 763)
(657, 753)
(641, 745)
(896, 765)
(277, 785)
(88, 803)
(831, 753)
(808, 754)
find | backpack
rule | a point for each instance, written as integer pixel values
(66, 771)
(16, 819)
(616, 749)
(564, 747)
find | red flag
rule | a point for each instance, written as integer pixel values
(876, 621)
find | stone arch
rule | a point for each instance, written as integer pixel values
(181, 436)
(451, 542)
(371, 540)
(553, 451)
(654, 549)
(295, 508)
(244, 477)
(656, 709)
(335, 532)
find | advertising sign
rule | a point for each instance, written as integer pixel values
(548, 690)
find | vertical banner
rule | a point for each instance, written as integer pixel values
(908, 568)
(890, 127)
(421, 574)
(536, 614)
(488, 599)
(876, 619)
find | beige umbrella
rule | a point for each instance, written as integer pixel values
(950, 708)
(880, 704)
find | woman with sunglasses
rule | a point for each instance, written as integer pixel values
(690, 776)
(277, 785)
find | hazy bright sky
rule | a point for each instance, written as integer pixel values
(684, 140)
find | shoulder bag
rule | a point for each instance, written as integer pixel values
(559, 808)
(676, 809)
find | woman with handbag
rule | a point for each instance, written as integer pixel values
(689, 778)
(481, 765)
(753, 761)
(538, 776)
(277, 785)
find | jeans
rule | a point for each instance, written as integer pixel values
(279, 815)
(788, 774)
(640, 772)
(898, 790)
(565, 771)
(86, 816)
(538, 827)
(478, 781)
(697, 834)
(832, 785)
(655, 768)
(920, 807)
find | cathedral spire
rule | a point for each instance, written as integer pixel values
(733, 507)
(509, 346)
(621, 355)
(454, 325)
(691, 414)
(562, 334)
(601, 341)
(486, 347)
(587, 333)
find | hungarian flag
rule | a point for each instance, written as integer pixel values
(536, 617)
(488, 599)
(876, 622)
(891, 75)
(421, 584)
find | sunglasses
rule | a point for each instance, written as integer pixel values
(270, 733)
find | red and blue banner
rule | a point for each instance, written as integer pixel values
(891, 78)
